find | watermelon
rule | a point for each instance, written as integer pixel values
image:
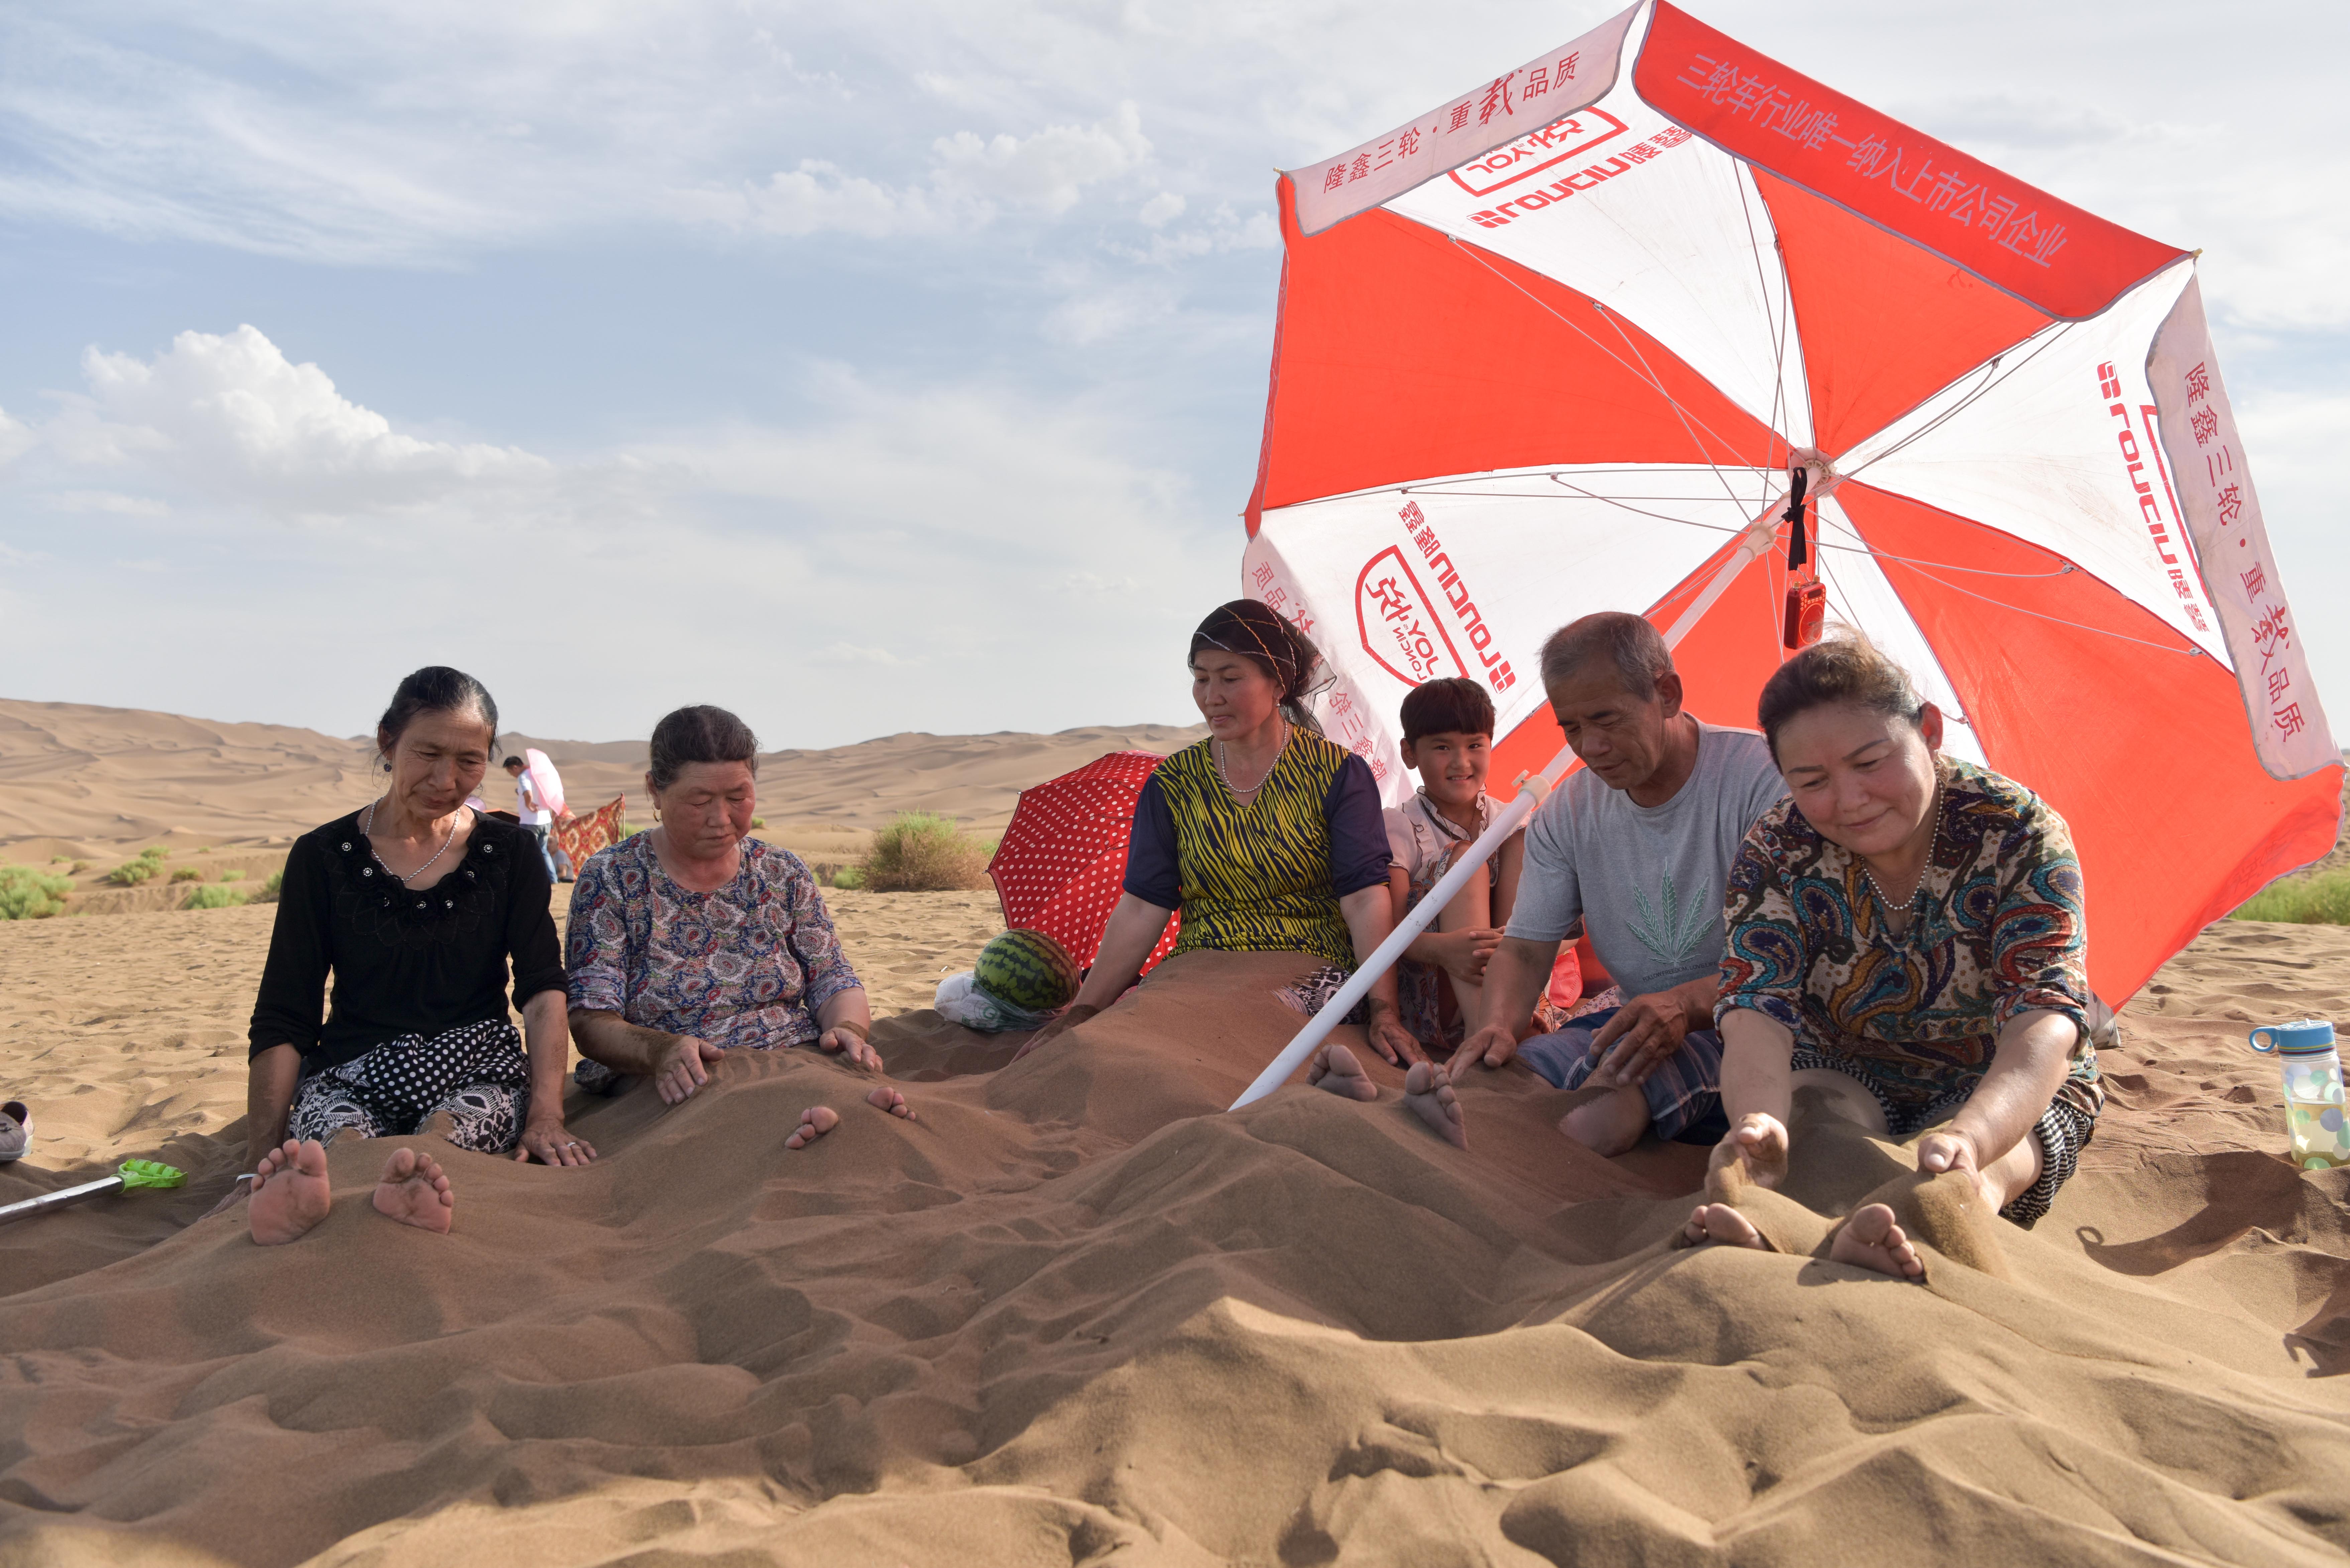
(1029, 970)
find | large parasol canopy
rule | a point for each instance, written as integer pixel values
(1557, 348)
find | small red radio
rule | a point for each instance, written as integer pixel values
(1807, 607)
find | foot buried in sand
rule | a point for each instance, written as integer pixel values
(1428, 1094)
(814, 1122)
(1338, 1070)
(413, 1191)
(1721, 1224)
(890, 1100)
(1873, 1239)
(290, 1192)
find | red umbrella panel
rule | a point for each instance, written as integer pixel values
(1553, 348)
(1061, 866)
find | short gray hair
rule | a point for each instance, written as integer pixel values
(1629, 642)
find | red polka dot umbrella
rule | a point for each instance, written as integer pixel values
(1062, 864)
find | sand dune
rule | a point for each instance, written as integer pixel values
(1076, 1315)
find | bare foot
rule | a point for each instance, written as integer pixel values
(412, 1191)
(1338, 1070)
(1719, 1222)
(889, 1099)
(1873, 1239)
(814, 1122)
(290, 1193)
(1428, 1094)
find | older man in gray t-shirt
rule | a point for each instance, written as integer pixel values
(1637, 846)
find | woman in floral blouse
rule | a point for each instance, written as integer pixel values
(692, 939)
(1905, 932)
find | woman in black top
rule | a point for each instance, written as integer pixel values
(415, 903)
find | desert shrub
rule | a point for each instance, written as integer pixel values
(233, 874)
(212, 896)
(78, 867)
(848, 877)
(60, 860)
(758, 822)
(187, 874)
(29, 895)
(2320, 899)
(920, 851)
(130, 873)
(276, 879)
(207, 850)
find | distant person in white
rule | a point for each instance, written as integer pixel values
(535, 818)
(1636, 845)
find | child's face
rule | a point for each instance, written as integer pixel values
(1451, 764)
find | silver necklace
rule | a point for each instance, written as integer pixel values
(1931, 845)
(367, 829)
(1226, 772)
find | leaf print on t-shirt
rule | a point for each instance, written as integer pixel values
(1668, 931)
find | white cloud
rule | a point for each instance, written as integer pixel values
(230, 417)
(109, 501)
(1161, 209)
(1046, 173)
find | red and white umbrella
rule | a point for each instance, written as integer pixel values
(1061, 862)
(1553, 348)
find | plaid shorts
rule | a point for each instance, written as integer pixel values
(2063, 1130)
(1684, 1093)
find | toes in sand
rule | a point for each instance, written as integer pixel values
(291, 1193)
(413, 1191)
(1721, 1224)
(1428, 1094)
(886, 1098)
(1339, 1070)
(1873, 1239)
(814, 1122)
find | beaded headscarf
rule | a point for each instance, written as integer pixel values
(1262, 636)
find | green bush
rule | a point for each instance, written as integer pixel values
(849, 876)
(920, 851)
(270, 887)
(2320, 899)
(212, 896)
(758, 822)
(187, 874)
(60, 859)
(27, 895)
(207, 850)
(130, 873)
(233, 874)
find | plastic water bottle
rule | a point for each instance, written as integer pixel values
(2313, 1090)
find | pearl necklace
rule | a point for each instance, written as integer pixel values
(368, 828)
(1225, 773)
(1932, 844)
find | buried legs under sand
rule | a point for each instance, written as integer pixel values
(817, 1121)
(291, 1192)
(1951, 1209)
(1427, 1092)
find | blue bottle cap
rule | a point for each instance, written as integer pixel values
(2301, 1037)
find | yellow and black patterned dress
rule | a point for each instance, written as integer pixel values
(1265, 877)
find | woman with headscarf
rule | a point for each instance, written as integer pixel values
(1268, 837)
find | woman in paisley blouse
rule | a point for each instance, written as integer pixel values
(415, 904)
(693, 940)
(1905, 932)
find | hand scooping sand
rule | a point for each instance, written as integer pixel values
(291, 1192)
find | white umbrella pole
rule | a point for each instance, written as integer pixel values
(1531, 790)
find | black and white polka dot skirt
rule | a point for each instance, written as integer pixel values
(478, 1073)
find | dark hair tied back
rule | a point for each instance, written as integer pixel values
(1265, 638)
(700, 734)
(435, 689)
(1847, 670)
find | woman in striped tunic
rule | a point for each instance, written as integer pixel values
(1267, 837)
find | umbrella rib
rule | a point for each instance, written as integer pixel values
(1993, 375)
(2189, 651)
(1779, 404)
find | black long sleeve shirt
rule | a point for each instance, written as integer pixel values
(403, 963)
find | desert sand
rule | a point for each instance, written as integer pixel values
(1075, 1313)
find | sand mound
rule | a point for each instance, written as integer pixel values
(1074, 1314)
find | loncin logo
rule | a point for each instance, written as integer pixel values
(1530, 155)
(1399, 625)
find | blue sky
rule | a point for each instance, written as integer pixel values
(863, 369)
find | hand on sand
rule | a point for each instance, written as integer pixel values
(413, 1191)
(1340, 1071)
(814, 1122)
(851, 1047)
(1463, 953)
(1636, 1042)
(546, 1141)
(1870, 1238)
(1429, 1094)
(290, 1192)
(1389, 1038)
(1492, 1045)
(1755, 1154)
(683, 1068)
(1069, 1019)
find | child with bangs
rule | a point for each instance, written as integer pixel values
(1447, 739)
